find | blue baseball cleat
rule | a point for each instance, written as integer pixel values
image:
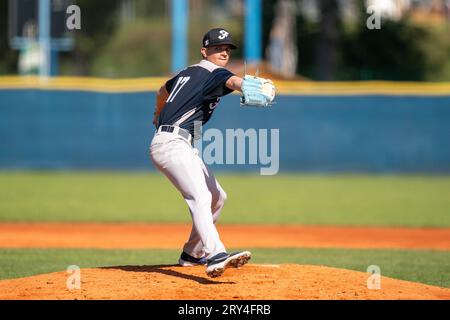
(217, 265)
(187, 260)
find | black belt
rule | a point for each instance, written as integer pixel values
(180, 131)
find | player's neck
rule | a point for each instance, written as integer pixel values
(208, 61)
(209, 64)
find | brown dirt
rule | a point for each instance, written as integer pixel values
(253, 281)
(170, 236)
(250, 282)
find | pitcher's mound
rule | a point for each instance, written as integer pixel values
(252, 281)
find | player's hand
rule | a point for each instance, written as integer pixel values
(258, 92)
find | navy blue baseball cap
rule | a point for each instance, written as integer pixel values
(218, 37)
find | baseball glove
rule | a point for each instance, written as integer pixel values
(257, 92)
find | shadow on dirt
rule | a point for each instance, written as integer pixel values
(163, 269)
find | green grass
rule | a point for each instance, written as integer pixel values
(383, 200)
(372, 200)
(430, 267)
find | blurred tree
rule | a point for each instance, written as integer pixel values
(141, 46)
(317, 42)
(137, 49)
(329, 47)
(98, 20)
(400, 50)
(268, 12)
(8, 57)
(307, 35)
(282, 49)
(327, 43)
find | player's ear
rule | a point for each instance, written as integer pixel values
(203, 53)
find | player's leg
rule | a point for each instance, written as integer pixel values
(217, 265)
(218, 197)
(177, 160)
(194, 245)
(184, 168)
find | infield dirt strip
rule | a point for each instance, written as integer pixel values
(173, 236)
(253, 281)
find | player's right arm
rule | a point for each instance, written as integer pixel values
(234, 83)
(161, 98)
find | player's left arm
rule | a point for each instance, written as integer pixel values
(234, 83)
(161, 98)
(257, 92)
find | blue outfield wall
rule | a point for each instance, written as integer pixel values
(42, 129)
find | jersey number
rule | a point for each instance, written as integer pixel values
(180, 84)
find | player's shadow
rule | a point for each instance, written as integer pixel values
(162, 270)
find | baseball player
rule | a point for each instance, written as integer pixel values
(191, 97)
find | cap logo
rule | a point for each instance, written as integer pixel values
(223, 34)
(206, 43)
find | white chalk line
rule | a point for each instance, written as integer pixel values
(266, 265)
